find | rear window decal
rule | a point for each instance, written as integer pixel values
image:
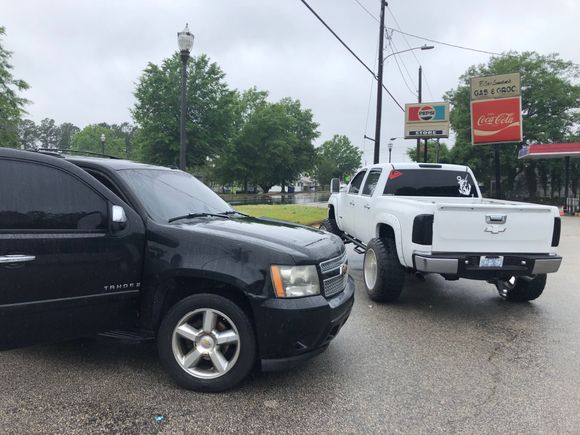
(464, 185)
(395, 174)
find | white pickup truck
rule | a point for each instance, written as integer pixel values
(431, 218)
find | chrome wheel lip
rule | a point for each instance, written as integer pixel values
(370, 268)
(206, 345)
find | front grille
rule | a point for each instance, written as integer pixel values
(334, 280)
(334, 285)
(333, 263)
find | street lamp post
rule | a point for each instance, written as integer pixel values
(390, 145)
(423, 47)
(185, 43)
(102, 143)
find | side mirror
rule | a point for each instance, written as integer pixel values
(335, 185)
(118, 218)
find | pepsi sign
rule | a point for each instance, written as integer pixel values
(426, 120)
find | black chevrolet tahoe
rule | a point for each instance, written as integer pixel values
(90, 245)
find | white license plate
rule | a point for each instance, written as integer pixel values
(490, 262)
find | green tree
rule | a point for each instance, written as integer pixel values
(28, 134)
(48, 133)
(550, 101)
(89, 139)
(431, 152)
(11, 104)
(236, 161)
(275, 145)
(336, 157)
(66, 132)
(127, 131)
(210, 113)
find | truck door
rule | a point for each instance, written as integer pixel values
(363, 210)
(66, 270)
(347, 210)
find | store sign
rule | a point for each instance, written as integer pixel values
(496, 121)
(496, 109)
(426, 120)
(493, 87)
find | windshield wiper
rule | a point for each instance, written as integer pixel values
(194, 215)
(231, 212)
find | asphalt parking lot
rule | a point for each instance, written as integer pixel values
(448, 357)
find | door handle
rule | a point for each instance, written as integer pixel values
(368, 207)
(18, 258)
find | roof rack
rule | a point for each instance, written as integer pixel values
(60, 151)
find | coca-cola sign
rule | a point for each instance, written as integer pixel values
(496, 121)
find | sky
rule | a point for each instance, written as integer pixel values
(82, 59)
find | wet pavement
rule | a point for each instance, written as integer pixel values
(448, 357)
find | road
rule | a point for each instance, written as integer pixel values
(448, 357)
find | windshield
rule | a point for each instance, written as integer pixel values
(168, 193)
(430, 182)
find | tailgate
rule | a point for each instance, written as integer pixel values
(492, 228)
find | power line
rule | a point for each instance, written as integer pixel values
(394, 51)
(422, 37)
(412, 51)
(445, 43)
(369, 103)
(367, 11)
(349, 49)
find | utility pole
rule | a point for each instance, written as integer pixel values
(380, 84)
(418, 154)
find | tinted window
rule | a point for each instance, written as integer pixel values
(38, 197)
(166, 193)
(107, 183)
(371, 182)
(356, 182)
(430, 182)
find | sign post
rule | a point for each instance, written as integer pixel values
(496, 114)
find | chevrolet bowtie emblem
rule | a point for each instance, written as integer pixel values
(494, 229)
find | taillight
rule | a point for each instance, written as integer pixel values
(556, 233)
(423, 229)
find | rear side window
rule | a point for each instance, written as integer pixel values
(34, 196)
(371, 182)
(430, 182)
(356, 183)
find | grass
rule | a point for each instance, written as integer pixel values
(292, 213)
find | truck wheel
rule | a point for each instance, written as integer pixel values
(330, 226)
(522, 288)
(383, 274)
(206, 343)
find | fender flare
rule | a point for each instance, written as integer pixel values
(333, 204)
(393, 222)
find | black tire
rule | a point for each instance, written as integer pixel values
(390, 276)
(197, 305)
(522, 288)
(330, 226)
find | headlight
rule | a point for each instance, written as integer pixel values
(295, 281)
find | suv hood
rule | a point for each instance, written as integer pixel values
(303, 243)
